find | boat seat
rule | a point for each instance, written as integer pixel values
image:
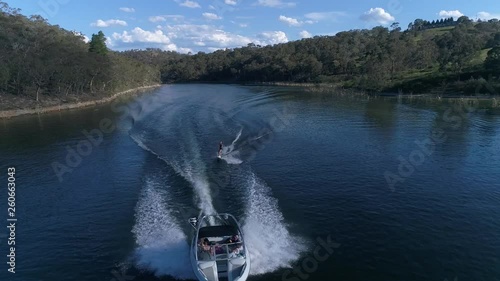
(206, 264)
(237, 261)
(234, 268)
(209, 269)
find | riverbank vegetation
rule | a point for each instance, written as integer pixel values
(42, 64)
(442, 56)
(45, 64)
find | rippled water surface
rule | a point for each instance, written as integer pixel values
(400, 189)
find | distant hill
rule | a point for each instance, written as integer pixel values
(422, 58)
(41, 61)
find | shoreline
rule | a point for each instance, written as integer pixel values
(320, 87)
(10, 113)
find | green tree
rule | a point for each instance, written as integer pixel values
(395, 25)
(492, 61)
(98, 44)
(456, 48)
(465, 20)
(495, 42)
(418, 24)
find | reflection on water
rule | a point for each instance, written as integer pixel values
(383, 114)
(125, 206)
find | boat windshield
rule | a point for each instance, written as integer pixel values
(220, 251)
(219, 239)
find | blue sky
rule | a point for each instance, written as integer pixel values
(208, 25)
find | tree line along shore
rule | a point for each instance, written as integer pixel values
(45, 65)
(448, 57)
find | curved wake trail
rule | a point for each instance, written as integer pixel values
(193, 169)
(270, 244)
(162, 246)
(229, 154)
(194, 174)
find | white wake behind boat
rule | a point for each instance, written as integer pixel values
(218, 251)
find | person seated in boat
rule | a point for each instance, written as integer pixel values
(205, 250)
(220, 249)
(205, 245)
(232, 239)
(236, 238)
(236, 250)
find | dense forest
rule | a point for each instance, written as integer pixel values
(39, 60)
(441, 56)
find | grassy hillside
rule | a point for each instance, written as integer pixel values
(439, 57)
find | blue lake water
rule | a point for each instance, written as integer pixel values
(400, 189)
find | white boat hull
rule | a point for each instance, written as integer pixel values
(222, 266)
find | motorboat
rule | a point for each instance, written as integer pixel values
(218, 250)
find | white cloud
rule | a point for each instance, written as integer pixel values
(213, 49)
(230, 2)
(170, 47)
(448, 14)
(290, 21)
(157, 19)
(142, 36)
(240, 24)
(487, 16)
(109, 42)
(184, 50)
(185, 38)
(108, 23)
(271, 38)
(82, 36)
(377, 15)
(226, 39)
(166, 18)
(275, 3)
(211, 36)
(127, 10)
(190, 4)
(305, 34)
(211, 16)
(173, 47)
(320, 16)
